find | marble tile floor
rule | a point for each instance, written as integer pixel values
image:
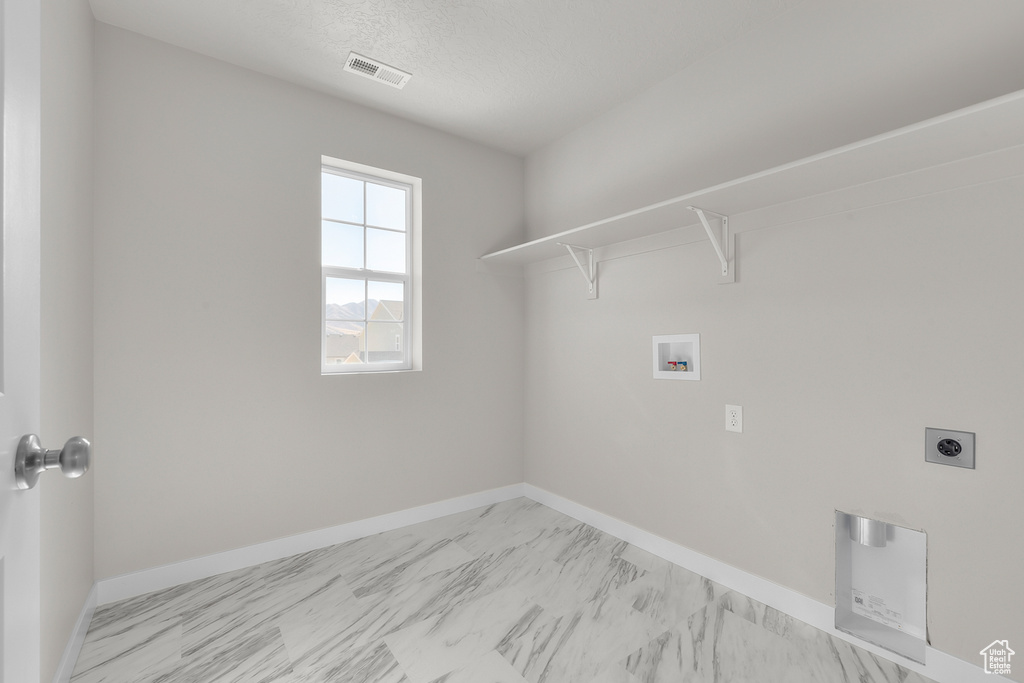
(511, 593)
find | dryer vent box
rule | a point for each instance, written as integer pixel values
(881, 584)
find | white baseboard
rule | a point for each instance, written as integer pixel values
(157, 578)
(66, 666)
(940, 666)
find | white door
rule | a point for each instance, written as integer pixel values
(19, 365)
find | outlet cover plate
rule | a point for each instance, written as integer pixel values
(734, 419)
(932, 438)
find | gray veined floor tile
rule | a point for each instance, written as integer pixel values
(645, 560)
(371, 663)
(439, 593)
(438, 645)
(818, 651)
(509, 593)
(495, 528)
(579, 583)
(578, 543)
(682, 654)
(845, 661)
(666, 592)
(506, 515)
(577, 646)
(668, 658)
(165, 605)
(744, 651)
(321, 610)
(428, 558)
(343, 633)
(238, 608)
(131, 654)
(256, 657)
(312, 593)
(491, 668)
(321, 564)
(379, 562)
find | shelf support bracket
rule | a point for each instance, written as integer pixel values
(589, 272)
(721, 239)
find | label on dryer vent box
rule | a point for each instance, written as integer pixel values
(875, 609)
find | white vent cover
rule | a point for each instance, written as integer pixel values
(371, 68)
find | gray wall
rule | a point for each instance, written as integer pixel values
(834, 341)
(774, 95)
(66, 323)
(214, 427)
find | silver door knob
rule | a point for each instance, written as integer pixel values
(32, 460)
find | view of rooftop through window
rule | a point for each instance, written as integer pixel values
(365, 266)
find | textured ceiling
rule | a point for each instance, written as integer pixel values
(513, 74)
(518, 74)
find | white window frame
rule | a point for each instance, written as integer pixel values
(411, 279)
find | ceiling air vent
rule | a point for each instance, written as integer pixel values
(382, 73)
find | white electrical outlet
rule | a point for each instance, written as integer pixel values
(733, 418)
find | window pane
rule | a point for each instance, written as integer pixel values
(384, 342)
(345, 343)
(342, 245)
(385, 250)
(346, 299)
(386, 300)
(341, 198)
(385, 206)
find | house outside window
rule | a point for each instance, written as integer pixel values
(369, 259)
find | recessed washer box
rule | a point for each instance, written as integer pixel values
(677, 348)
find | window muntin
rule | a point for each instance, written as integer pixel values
(366, 264)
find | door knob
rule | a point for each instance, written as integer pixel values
(32, 459)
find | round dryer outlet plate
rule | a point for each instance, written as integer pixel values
(949, 447)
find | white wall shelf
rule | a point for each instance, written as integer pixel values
(932, 153)
(676, 348)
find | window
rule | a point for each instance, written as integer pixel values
(369, 248)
